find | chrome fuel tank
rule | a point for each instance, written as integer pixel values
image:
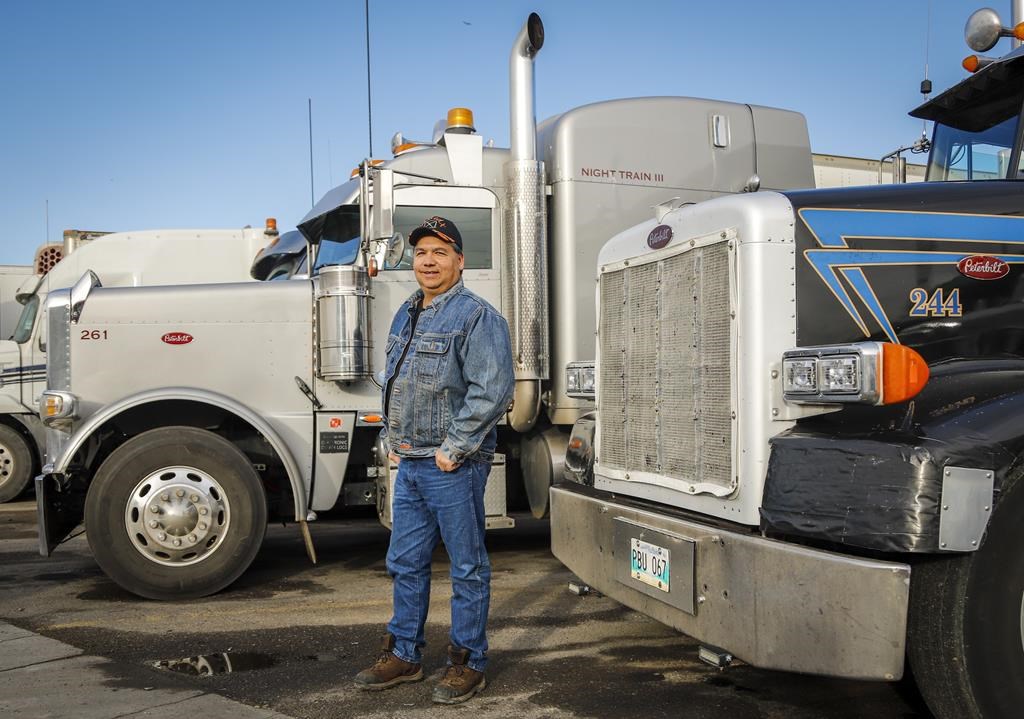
(344, 340)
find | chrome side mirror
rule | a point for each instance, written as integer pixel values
(983, 29)
(388, 254)
(382, 204)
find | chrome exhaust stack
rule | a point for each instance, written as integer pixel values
(525, 280)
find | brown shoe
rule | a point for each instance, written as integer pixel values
(388, 670)
(459, 682)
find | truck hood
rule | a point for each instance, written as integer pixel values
(887, 263)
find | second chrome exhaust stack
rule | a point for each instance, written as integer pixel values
(525, 280)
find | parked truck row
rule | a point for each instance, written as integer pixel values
(766, 453)
(285, 372)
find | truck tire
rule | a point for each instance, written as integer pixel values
(966, 624)
(15, 463)
(175, 513)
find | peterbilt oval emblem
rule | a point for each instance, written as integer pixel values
(177, 338)
(659, 237)
(983, 267)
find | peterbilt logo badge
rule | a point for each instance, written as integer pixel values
(983, 267)
(177, 338)
(659, 237)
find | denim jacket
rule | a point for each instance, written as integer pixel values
(455, 382)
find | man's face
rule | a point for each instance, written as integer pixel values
(437, 265)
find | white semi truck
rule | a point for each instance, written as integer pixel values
(260, 400)
(808, 445)
(119, 259)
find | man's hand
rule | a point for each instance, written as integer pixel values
(394, 457)
(443, 463)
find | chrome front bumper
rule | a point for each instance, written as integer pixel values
(772, 604)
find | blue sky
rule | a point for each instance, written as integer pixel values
(135, 114)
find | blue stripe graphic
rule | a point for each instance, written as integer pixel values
(832, 227)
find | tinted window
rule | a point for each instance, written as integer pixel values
(27, 320)
(961, 155)
(339, 241)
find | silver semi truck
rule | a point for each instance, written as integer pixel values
(251, 401)
(807, 450)
(119, 259)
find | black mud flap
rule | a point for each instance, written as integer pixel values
(60, 509)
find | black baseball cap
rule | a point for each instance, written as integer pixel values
(440, 228)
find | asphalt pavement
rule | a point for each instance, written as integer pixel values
(42, 678)
(286, 639)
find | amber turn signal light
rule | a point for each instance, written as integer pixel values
(904, 373)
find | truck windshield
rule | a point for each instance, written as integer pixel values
(982, 155)
(339, 241)
(28, 318)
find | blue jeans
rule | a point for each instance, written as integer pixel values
(429, 506)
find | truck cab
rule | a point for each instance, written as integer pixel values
(120, 259)
(806, 450)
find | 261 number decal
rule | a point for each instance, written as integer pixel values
(94, 335)
(937, 304)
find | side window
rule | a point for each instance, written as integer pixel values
(474, 225)
(978, 161)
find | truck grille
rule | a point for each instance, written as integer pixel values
(664, 389)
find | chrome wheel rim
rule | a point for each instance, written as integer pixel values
(8, 465)
(177, 516)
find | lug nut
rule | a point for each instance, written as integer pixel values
(202, 525)
(193, 498)
(162, 537)
(153, 508)
(177, 542)
(166, 497)
(204, 511)
(191, 537)
(153, 523)
(180, 493)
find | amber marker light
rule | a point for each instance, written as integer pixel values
(904, 373)
(1018, 31)
(372, 418)
(460, 117)
(974, 63)
(404, 147)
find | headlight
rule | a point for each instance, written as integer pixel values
(57, 407)
(800, 375)
(579, 380)
(866, 372)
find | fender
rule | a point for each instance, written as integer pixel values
(83, 433)
(872, 477)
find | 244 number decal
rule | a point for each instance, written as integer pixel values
(937, 304)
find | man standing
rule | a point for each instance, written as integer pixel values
(448, 380)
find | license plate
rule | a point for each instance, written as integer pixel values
(649, 564)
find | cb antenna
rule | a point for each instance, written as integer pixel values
(369, 111)
(922, 145)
